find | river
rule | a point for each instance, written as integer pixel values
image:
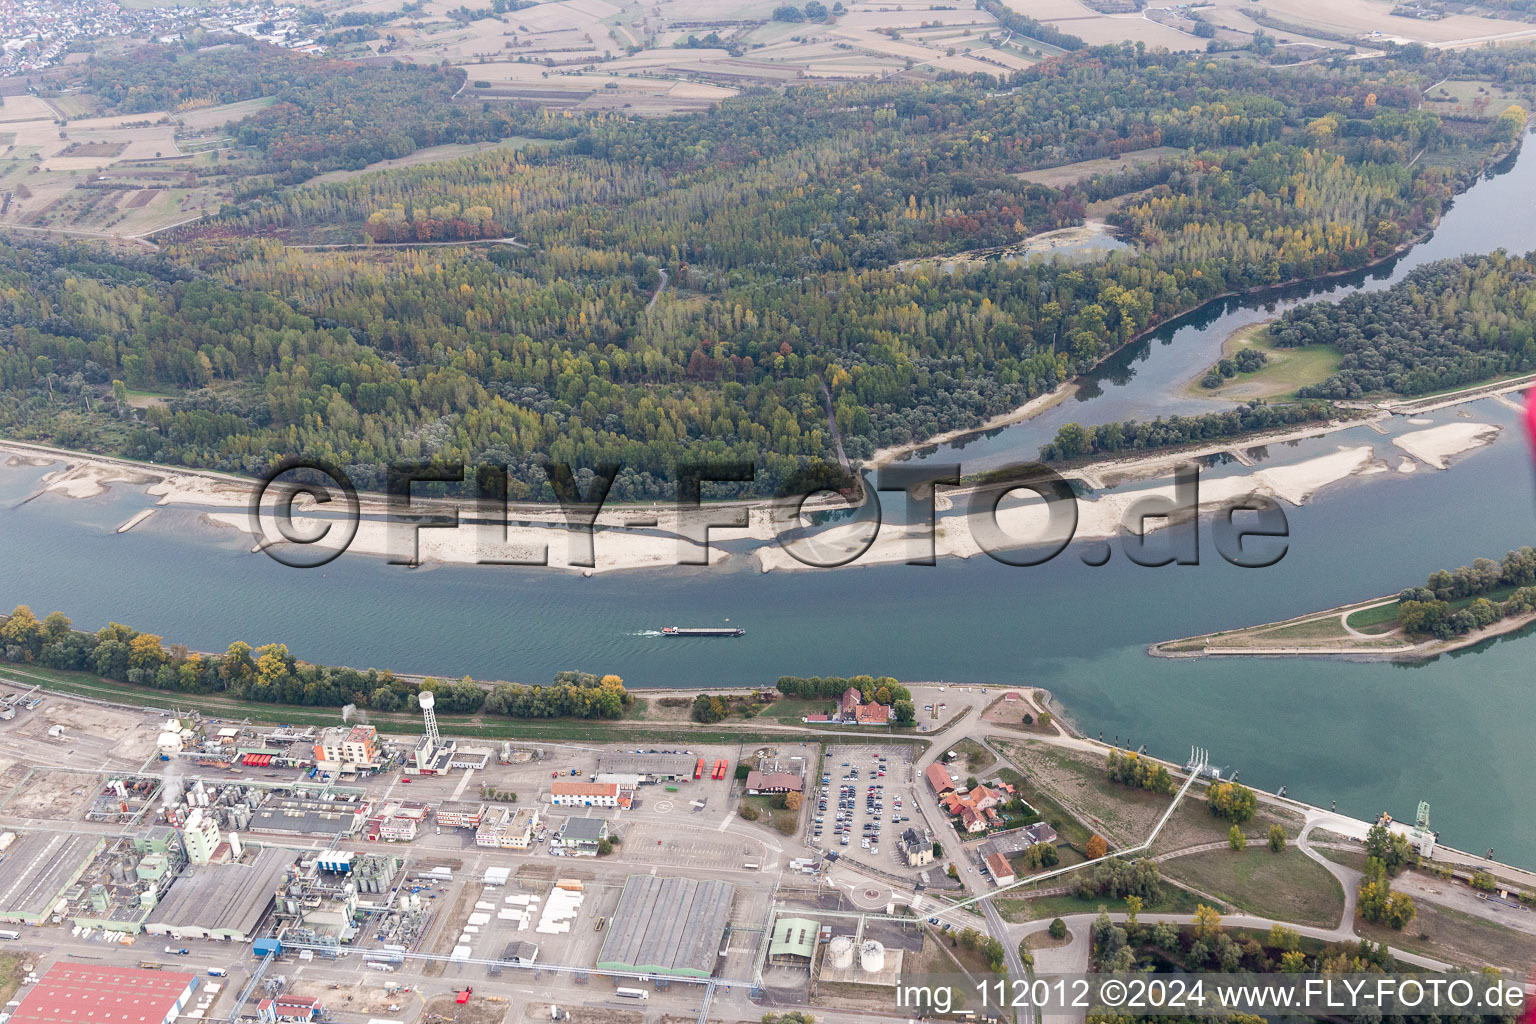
(1372, 736)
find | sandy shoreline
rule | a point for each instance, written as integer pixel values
(645, 537)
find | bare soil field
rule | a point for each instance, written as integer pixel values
(54, 795)
(366, 996)
(581, 1014)
(1458, 938)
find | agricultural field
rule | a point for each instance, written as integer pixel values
(1372, 19)
(1096, 28)
(656, 58)
(124, 176)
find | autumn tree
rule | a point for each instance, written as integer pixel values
(1207, 921)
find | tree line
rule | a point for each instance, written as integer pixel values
(270, 674)
(1441, 608)
(1074, 441)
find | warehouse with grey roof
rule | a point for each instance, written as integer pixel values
(38, 868)
(650, 767)
(220, 901)
(668, 926)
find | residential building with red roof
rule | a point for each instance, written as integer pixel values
(938, 779)
(774, 782)
(1000, 870)
(872, 714)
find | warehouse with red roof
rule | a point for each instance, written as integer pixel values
(71, 993)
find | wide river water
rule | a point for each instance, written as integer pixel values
(1455, 731)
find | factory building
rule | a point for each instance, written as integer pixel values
(289, 1009)
(71, 993)
(220, 901)
(36, 871)
(299, 816)
(345, 749)
(504, 830)
(200, 836)
(671, 927)
(793, 941)
(460, 814)
(1012, 843)
(581, 837)
(520, 953)
(397, 823)
(650, 767)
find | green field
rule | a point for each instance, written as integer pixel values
(972, 755)
(1287, 369)
(783, 820)
(1374, 620)
(1327, 628)
(1286, 886)
(1082, 170)
(1175, 900)
(1464, 98)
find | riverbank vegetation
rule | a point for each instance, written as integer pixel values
(270, 674)
(1447, 324)
(1074, 441)
(702, 287)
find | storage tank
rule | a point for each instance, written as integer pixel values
(840, 952)
(872, 956)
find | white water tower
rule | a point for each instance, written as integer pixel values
(427, 701)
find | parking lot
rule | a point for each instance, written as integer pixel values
(685, 847)
(864, 801)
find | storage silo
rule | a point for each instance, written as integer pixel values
(840, 952)
(872, 957)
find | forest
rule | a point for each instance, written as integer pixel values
(1445, 325)
(270, 674)
(753, 283)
